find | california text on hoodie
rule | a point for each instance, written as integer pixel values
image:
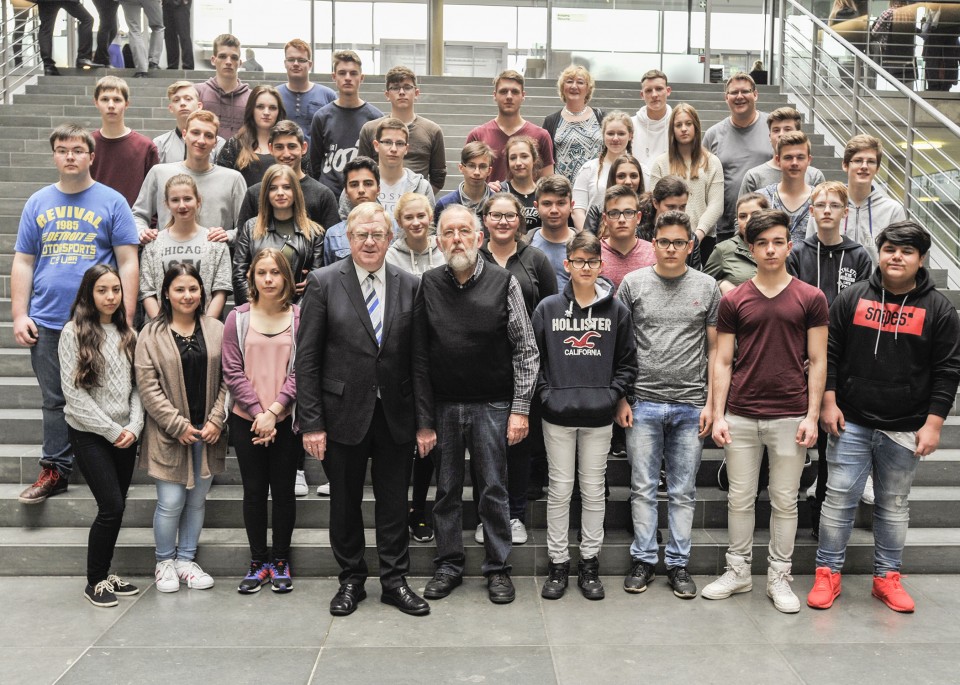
(829, 267)
(893, 359)
(227, 106)
(649, 138)
(588, 357)
(864, 223)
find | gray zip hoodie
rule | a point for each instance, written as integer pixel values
(401, 256)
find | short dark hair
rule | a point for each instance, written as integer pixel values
(764, 220)
(670, 185)
(586, 241)
(361, 162)
(554, 184)
(68, 131)
(906, 233)
(614, 193)
(286, 128)
(754, 197)
(673, 218)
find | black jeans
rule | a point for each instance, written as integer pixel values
(107, 470)
(48, 12)
(422, 475)
(176, 36)
(107, 10)
(266, 468)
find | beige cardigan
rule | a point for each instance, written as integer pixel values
(160, 381)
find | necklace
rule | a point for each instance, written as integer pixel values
(575, 114)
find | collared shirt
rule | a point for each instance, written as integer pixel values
(526, 357)
(379, 284)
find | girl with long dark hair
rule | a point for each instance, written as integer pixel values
(249, 150)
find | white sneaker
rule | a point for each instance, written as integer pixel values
(166, 576)
(194, 576)
(778, 588)
(518, 532)
(478, 536)
(300, 487)
(812, 490)
(324, 489)
(868, 497)
(735, 579)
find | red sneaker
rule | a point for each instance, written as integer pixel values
(889, 591)
(826, 588)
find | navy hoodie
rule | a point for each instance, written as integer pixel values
(588, 357)
(829, 267)
(893, 359)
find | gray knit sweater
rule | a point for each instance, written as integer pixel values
(113, 406)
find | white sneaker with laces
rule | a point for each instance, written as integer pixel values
(735, 579)
(324, 489)
(812, 490)
(478, 536)
(518, 532)
(194, 576)
(778, 588)
(300, 487)
(166, 576)
(868, 497)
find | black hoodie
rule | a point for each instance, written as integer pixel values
(588, 357)
(893, 359)
(829, 267)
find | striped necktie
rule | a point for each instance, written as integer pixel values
(373, 306)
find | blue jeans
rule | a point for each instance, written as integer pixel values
(851, 457)
(180, 511)
(45, 359)
(663, 432)
(480, 427)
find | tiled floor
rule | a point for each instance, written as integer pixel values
(53, 635)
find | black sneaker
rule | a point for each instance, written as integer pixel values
(588, 578)
(500, 588)
(420, 531)
(101, 594)
(641, 573)
(258, 574)
(556, 583)
(681, 582)
(122, 587)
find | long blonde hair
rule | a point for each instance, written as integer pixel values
(698, 156)
(265, 215)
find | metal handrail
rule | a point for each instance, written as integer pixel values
(12, 76)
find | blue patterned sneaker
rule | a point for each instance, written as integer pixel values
(258, 574)
(280, 575)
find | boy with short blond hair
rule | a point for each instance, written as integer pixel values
(779, 121)
(184, 101)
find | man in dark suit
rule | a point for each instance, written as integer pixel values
(363, 390)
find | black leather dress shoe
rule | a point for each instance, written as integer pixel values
(406, 600)
(441, 585)
(90, 64)
(50, 70)
(347, 598)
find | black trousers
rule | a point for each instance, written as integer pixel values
(176, 36)
(48, 12)
(346, 469)
(267, 468)
(108, 471)
(107, 31)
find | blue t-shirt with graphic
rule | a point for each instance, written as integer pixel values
(67, 233)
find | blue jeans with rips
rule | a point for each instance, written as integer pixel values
(663, 432)
(851, 458)
(480, 427)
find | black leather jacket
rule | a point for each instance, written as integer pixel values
(308, 254)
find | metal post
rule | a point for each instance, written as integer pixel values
(435, 37)
(855, 101)
(708, 12)
(814, 60)
(548, 57)
(908, 157)
(333, 26)
(71, 39)
(783, 44)
(4, 57)
(313, 35)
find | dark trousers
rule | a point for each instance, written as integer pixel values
(176, 22)
(108, 471)
(48, 17)
(346, 468)
(422, 474)
(267, 468)
(107, 31)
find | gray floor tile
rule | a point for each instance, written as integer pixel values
(652, 617)
(221, 617)
(674, 664)
(35, 665)
(163, 665)
(466, 617)
(927, 664)
(415, 666)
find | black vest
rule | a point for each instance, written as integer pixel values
(471, 359)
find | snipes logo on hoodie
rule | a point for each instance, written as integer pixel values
(891, 318)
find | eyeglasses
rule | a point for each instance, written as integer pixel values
(584, 263)
(399, 144)
(665, 244)
(739, 93)
(449, 233)
(834, 206)
(860, 161)
(477, 167)
(296, 60)
(406, 88)
(75, 151)
(499, 216)
(615, 214)
(363, 237)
